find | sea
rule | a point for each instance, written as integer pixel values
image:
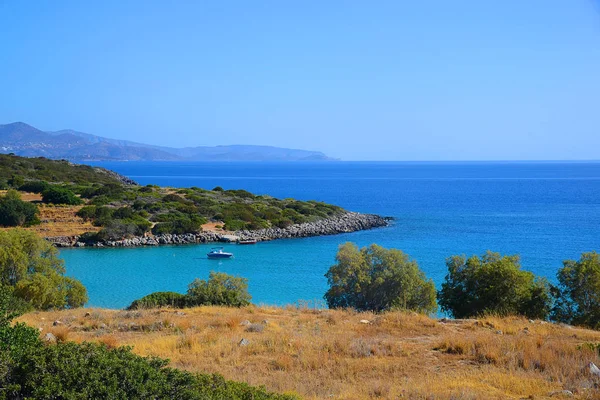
(545, 212)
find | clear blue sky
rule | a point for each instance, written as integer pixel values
(358, 80)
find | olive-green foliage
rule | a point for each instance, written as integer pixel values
(219, 290)
(160, 299)
(30, 369)
(378, 279)
(34, 186)
(31, 266)
(179, 225)
(55, 171)
(15, 181)
(493, 284)
(578, 295)
(11, 306)
(16, 212)
(60, 195)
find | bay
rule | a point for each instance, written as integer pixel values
(544, 211)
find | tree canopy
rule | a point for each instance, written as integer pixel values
(495, 284)
(578, 295)
(30, 265)
(378, 279)
(219, 289)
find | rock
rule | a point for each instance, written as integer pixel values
(364, 321)
(50, 338)
(180, 313)
(87, 314)
(244, 342)
(343, 223)
(57, 323)
(265, 322)
(531, 321)
(566, 393)
(594, 370)
(499, 332)
(102, 326)
(245, 323)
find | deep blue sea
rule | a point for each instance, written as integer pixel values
(544, 211)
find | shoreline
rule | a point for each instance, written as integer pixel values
(345, 223)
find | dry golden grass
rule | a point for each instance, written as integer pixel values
(57, 220)
(331, 354)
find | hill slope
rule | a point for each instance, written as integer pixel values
(25, 140)
(346, 355)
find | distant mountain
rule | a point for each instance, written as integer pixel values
(25, 140)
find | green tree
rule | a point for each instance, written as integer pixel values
(378, 279)
(31, 266)
(60, 195)
(578, 295)
(16, 212)
(16, 181)
(493, 284)
(219, 290)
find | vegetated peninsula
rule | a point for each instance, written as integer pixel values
(79, 205)
(25, 140)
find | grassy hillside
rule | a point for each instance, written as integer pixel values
(122, 210)
(337, 354)
(56, 171)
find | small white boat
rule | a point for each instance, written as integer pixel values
(217, 252)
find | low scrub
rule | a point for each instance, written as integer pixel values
(219, 290)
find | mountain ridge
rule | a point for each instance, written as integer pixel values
(25, 140)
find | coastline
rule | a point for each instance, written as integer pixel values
(345, 223)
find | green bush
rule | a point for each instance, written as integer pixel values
(179, 225)
(493, 284)
(16, 212)
(377, 279)
(60, 195)
(159, 299)
(30, 369)
(88, 213)
(578, 295)
(30, 265)
(219, 290)
(34, 186)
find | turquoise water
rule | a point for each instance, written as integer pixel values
(546, 212)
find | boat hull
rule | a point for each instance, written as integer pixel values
(219, 255)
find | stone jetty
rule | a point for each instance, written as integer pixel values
(347, 222)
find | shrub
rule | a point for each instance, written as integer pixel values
(220, 290)
(378, 279)
(60, 195)
(578, 295)
(493, 284)
(180, 225)
(34, 186)
(121, 229)
(16, 212)
(159, 299)
(88, 213)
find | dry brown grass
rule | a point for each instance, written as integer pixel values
(331, 354)
(58, 220)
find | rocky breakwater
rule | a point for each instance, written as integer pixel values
(345, 223)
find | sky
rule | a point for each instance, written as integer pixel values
(358, 80)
